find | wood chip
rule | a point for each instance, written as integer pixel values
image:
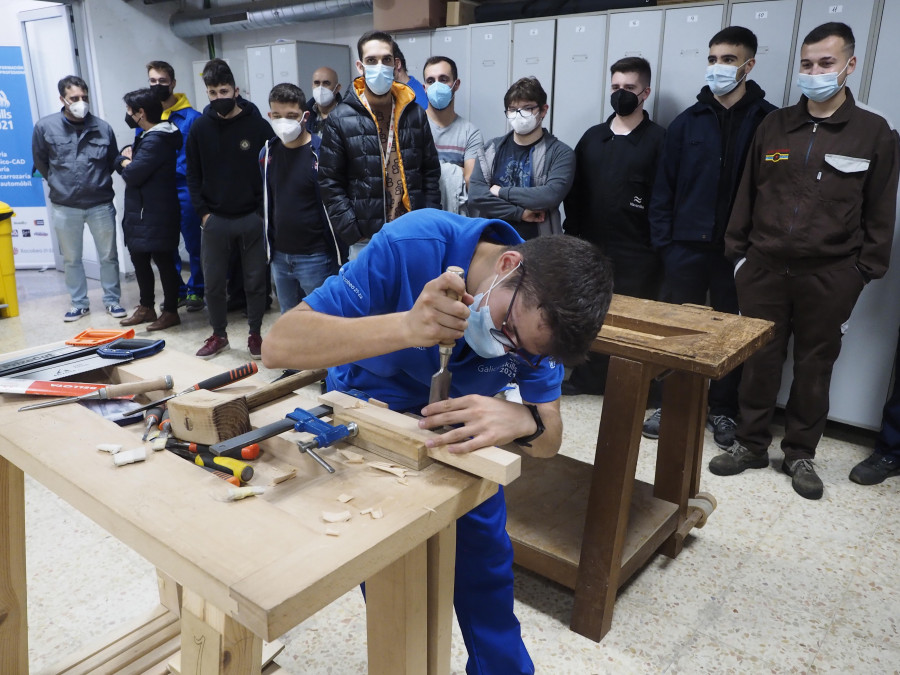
(331, 532)
(344, 498)
(365, 511)
(399, 471)
(335, 516)
(353, 457)
(377, 513)
(403, 481)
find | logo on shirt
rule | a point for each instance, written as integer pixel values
(245, 144)
(637, 202)
(778, 156)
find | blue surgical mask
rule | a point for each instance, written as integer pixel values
(722, 78)
(439, 95)
(478, 331)
(820, 87)
(379, 78)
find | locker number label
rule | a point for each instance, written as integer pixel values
(532, 31)
(447, 38)
(634, 23)
(693, 18)
(579, 29)
(835, 9)
(488, 36)
(762, 15)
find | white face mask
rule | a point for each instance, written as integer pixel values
(524, 125)
(379, 78)
(820, 87)
(288, 130)
(323, 96)
(722, 79)
(478, 329)
(79, 109)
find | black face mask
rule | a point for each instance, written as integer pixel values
(161, 91)
(129, 120)
(222, 106)
(624, 102)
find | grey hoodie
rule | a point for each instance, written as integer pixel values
(77, 166)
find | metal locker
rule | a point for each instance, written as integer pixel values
(416, 47)
(490, 54)
(581, 78)
(285, 65)
(855, 13)
(683, 64)
(259, 68)
(533, 50)
(773, 23)
(454, 44)
(635, 34)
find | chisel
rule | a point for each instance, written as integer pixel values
(111, 391)
(213, 382)
(440, 381)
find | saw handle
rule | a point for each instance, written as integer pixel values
(458, 271)
(114, 390)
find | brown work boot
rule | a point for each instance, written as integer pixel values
(165, 320)
(141, 315)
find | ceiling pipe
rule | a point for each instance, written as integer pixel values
(253, 16)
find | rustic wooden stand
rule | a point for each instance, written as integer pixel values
(591, 528)
(264, 566)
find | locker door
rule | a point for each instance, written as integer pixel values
(259, 70)
(683, 64)
(416, 47)
(490, 57)
(635, 34)
(285, 63)
(862, 375)
(855, 13)
(773, 23)
(533, 49)
(581, 78)
(454, 44)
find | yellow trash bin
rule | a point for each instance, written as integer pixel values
(8, 294)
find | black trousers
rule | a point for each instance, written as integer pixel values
(168, 276)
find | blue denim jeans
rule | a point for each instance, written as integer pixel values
(296, 276)
(69, 224)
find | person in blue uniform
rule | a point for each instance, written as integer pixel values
(526, 309)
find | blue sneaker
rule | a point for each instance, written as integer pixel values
(76, 313)
(116, 311)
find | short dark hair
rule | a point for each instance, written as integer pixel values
(571, 282)
(736, 35)
(146, 100)
(398, 56)
(525, 89)
(441, 59)
(71, 81)
(162, 67)
(832, 29)
(633, 64)
(379, 35)
(287, 92)
(216, 72)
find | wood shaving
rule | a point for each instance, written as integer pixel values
(331, 532)
(428, 508)
(403, 481)
(399, 471)
(353, 457)
(377, 513)
(365, 511)
(344, 498)
(335, 516)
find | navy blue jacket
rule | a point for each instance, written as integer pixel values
(686, 192)
(152, 218)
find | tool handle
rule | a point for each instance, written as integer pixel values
(458, 271)
(253, 436)
(226, 464)
(113, 390)
(228, 377)
(283, 387)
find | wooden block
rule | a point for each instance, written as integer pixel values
(399, 438)
(269, 651)
(441, 572)
(208, 416)
(211, 639)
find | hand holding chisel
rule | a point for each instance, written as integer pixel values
(112, 391)
(440, 381)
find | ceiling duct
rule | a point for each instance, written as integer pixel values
(253, 16)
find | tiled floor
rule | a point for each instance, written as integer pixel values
(773, 583)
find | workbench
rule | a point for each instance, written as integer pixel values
(591, 528)
(233, 574)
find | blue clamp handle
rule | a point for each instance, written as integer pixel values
(325, 434)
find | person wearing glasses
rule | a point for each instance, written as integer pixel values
(523, 176)
(526, 309)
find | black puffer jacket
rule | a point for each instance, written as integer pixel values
(351, 170)
(152, 219)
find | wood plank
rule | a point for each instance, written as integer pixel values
(215, 642)
(397, 616)
(269, 651)
(13, 604)
(441, 573)
(169, 592)
(402, 431)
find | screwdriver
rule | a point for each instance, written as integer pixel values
(249, 452)
(226, 476)
(213, 382)
(235, 467)
(112, 391)
(151, 418)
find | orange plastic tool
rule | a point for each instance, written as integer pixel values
(99, 336)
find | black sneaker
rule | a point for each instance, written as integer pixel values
(804, 479)
(651, 425)
(723, 428)
(735, 459)
(875, 469)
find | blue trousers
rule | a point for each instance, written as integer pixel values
(190, 232)
(295, 276)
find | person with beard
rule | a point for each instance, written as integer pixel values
(177, 110)
(699, 173)
(227, 192)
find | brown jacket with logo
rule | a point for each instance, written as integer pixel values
(818, 195)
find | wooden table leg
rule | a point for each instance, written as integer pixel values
(212, 642)
(13, 606)
(609, 500)
(680, 447)
(441, 571)
(397, 616)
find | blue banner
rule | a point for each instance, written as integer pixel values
(17, 187)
